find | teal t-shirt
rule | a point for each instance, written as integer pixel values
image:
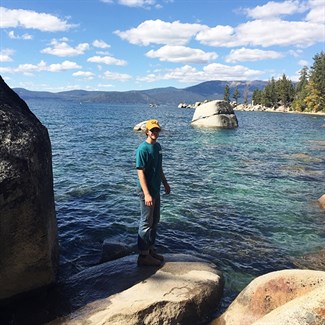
(149, 158)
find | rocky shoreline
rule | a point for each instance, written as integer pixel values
(253, 108)
(280, 109)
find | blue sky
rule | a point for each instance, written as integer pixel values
(118, 45)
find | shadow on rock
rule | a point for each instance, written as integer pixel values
(93, 284)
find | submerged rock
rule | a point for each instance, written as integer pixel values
(314, 260)
(321, 202)
(114, 250)
(216, 113)
(282, 297)
(28, 241)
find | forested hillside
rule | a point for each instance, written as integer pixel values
(308, 95)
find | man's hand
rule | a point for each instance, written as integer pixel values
(148, 201)
(167, 187)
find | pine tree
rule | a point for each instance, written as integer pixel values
(257, 97)
(313, 99)
(270, 96)
(316, 84)
(285, 91)
(246, 92)
(236, 95)
(226, 94)
(303, 79)
(301, 91)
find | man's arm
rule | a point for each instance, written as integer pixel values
(165, 183)
(143, 182)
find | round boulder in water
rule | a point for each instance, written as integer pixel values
(216, 113)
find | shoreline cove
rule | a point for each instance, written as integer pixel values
(242, 199)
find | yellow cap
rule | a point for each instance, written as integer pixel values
(151, 124)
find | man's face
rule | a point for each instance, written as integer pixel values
(154, 133)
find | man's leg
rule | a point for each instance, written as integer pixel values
(147, 233)
(156, 219)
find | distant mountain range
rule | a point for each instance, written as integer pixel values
(208, 90)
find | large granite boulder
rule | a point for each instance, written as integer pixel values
(216, 113)
(28, 228)
(282, 298)
(185, 290)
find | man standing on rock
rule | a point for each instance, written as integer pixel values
(150, 175)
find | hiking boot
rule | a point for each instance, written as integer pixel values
(148, 260)
(153, 253)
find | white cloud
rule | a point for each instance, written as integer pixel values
(295, 53)
(181, 54)
(25, 36)
(134, 3)
(303, 63)
(260, 32)
(109, 60)
(317, 11)
(65, 65)
(100, 86)
(137, 3)
(226, 72)
(284, 33)
(150, 77)
(217, 36)
(62, 48)
(244, 54)
(100, 44)
(103, 53)
(43, 66)
(213, 71)
(109, 75)
(28, 68)
(84, 74)
(5, 55)
(274, 9)
(160, 32)
(12, 18)
(5, 70)
(267, 29)
(265, 33)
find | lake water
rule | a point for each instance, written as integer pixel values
(244, 199)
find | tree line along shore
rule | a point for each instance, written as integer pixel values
(305, 96)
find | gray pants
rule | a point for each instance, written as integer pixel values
(150, 216)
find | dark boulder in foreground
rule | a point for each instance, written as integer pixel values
(28, 228)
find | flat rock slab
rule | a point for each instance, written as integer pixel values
(185, 290)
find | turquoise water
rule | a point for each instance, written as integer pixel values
(244, 199)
